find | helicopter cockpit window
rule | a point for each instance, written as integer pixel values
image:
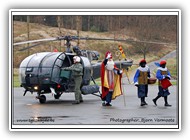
(26, 61)
(46, 65)
(40, 66)
(48, 60)
(30, 65)
(57, 68)
(22, 69)
(35, 61)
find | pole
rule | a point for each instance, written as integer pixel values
(122, 84)
(28, 31)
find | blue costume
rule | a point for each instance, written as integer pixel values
(141, 81)
(162, 73)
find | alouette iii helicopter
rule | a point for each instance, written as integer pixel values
(42, 72)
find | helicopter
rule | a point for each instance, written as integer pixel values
(42, 72)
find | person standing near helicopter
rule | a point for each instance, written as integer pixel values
(110, 80)
(77, 72)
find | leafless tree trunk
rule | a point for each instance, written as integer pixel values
(60, 24)
(78, 26)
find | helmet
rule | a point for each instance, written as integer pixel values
(163, 62)
(76, 58)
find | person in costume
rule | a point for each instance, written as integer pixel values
(163, 75)
(141, 81)
(110, 80)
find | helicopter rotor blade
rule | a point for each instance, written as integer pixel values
(30, 46)
(69, 38)
(126, 40)
(34, 41)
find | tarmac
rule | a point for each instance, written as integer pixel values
(125, 110)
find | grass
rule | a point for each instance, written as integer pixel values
(171, 65)
(16, 82)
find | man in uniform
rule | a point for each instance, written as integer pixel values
(110, 80)
(163, 74)
(141, 80)
(77, 72)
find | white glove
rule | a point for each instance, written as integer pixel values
(120, 71)
(136, 83)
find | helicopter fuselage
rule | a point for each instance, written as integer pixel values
(42, 72)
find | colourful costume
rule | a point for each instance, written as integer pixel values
(163, 74)
(110, 80)
(141, 81)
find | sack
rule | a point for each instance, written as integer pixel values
(165, 83)
(90, 89)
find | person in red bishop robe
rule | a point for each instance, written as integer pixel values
(110, 80)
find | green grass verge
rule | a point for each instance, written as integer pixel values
(16, 82)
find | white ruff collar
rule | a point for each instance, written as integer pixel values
(162, 69)
(145, 69)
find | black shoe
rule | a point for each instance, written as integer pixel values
(76, 102)
(81, 101)
(168, 105)
(108, 104)
(154, 102)
(143, 103)
(103, 104)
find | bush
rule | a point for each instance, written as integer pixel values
(94, 29)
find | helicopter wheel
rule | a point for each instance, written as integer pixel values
(42, 99)
(57, 96)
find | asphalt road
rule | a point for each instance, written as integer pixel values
(125, 109)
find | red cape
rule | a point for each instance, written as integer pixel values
(104, 89)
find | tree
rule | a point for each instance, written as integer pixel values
(78, 26)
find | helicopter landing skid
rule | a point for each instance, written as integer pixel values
(26, 91)
(96, 95)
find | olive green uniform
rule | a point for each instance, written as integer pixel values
(77, 72)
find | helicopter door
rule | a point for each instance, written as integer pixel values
(67, 78)
(65, 75)
(58, 75)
